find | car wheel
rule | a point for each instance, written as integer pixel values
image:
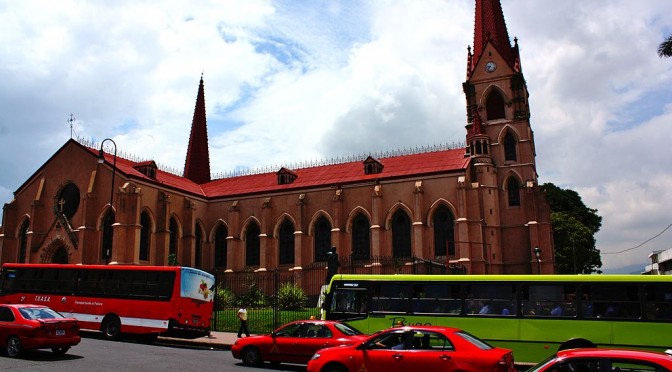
(13, 346)
(251, 356)
(60, 350)
(111, 327)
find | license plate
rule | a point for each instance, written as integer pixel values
(60, 332)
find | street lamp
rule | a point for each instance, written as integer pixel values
(537, 253)
(101, 160)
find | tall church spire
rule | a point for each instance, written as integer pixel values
(197, 165)
(489, 27)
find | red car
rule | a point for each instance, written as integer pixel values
(415, 348)
(598, 360)
(29, 327)
(295, 342)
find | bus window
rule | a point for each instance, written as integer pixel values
(549, 300)
(611, 300)
(491, 299)
(390, 297)
(658, 302)
(433, 298)
(90, 282)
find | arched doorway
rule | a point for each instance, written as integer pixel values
(60, 256)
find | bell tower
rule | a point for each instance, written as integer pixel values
(500, 144)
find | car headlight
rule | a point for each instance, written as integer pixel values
(315, 356)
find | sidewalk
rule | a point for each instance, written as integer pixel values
(216, 340)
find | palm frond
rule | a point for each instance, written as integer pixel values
(665, 48)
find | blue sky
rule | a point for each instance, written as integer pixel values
(293, 81)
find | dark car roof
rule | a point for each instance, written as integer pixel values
(616, 353)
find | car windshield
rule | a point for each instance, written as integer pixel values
(543, 363)
(474, 340)
(39, 313)
(347, 329)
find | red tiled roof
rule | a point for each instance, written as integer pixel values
(445, 161)
(128, 168)
(338, 174)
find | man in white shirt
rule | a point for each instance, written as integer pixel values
(242, 315)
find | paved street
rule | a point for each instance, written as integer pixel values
(95, 354)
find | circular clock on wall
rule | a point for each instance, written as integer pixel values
(490, 66)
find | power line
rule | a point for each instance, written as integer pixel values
(646, 241)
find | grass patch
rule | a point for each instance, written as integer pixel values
(259, 321)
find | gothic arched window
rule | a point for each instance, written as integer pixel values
(198, 252)
(286, 243)
(172, 243)
(108, 235)
(145, 234)
(322, 241)
(510, 147)
(252, 245)
(513, 188)
(23, 241)
(401, 234)
(494, 106)
(444, 232)
(220, 246)
(361, 237)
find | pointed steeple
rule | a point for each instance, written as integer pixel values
(197, 165)
(489, 26)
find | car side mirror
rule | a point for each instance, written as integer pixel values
(364, 346)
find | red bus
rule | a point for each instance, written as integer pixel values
(142, 300)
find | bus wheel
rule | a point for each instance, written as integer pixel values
(111, 327)
(251, 356)
(13, 346)
(576, 344)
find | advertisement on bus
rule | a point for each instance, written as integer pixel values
(197, 284)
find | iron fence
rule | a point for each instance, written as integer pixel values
(267, 294)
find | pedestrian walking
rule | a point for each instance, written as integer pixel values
(242, 315)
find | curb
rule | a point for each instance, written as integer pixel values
(195, 342)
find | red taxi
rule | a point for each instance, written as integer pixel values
(295, 342)
(415, 348)
(597, 360)
(28, 327)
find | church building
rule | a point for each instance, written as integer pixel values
(478, 206)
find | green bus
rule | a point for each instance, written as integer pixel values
(534, 315)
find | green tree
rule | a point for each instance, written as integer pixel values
(172, 260)
(574, 243)
(574, 229)
(665, 48)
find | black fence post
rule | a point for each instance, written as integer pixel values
(276, 305)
